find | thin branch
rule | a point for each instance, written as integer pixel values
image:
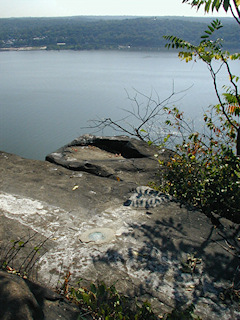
(213, 74)
(232, 82)
(237, 10)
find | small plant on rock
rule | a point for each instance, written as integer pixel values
(20, 256)
(107, 303)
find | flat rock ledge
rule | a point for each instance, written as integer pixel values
(118, 158)
(90, 212)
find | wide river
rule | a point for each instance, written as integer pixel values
(47, 97)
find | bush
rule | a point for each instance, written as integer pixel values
(211, 183)
(107, 303)
(205, 172)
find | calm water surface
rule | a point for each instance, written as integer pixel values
(48, 96)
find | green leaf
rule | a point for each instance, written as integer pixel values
(166, 138)
(217, 24)
(237, 173)
(207, 5)
(211, 28)
(86, 298)
(21, 243)
(101, 289)
(93, 288)
(226, 5)
(216, 5)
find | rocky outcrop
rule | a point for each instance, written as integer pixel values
(118, 157)
(112, 227)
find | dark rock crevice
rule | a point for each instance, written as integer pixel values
(110, 157)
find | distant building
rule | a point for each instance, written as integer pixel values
(124, 47)
(38, 38)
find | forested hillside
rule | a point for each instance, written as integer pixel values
(81, 33)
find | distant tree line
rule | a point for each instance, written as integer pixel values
(81, 33)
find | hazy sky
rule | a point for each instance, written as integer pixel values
(51, 8)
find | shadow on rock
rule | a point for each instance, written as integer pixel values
(16, 300)
(177, 260)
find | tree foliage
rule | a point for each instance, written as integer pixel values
(205, 171)
(231, 5)
(208, 51)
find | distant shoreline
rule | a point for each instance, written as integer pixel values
(119, 48)
(82, 33)
(24, 48)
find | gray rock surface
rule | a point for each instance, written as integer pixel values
(21, 303)
(24, 300)
(88, 225)
(112, 157)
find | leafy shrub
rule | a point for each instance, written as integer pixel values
(205, 172)
(107, 303)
